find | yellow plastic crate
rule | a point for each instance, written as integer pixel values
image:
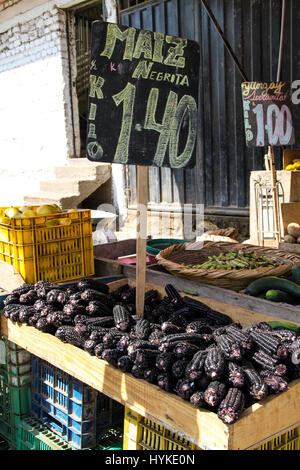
(143, 434)
(49, 253)
(289, 440)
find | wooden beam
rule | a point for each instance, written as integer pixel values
(142, 201)
(10, 278)
(114, 250)
(225, 299)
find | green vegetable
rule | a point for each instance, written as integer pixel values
(262, 295)
(276, 295)
(264, 284)
(190, 292)
(290, 326)
(235, 260)
(296, 274)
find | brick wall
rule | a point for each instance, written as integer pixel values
(7, 3)
(35, 108)
(34, 40)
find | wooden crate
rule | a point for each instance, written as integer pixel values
(289, 155)
(259, 423)
(289, 190)
(106, 257)
(290, 212)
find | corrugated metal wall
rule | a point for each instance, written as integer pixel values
(221, 178)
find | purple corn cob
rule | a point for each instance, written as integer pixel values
(274, 383)
(215, 393)
(236, 375)
(197, 399)
(214, 364)
(125, 364)
(185, 388)
(231, 406)
(231, 349)
(255, 384)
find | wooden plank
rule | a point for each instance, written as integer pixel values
(107, 267)
(223, 298)
(260, 422)
(200, 426)
(290, 212)
(115, 250)
(290, 247)
(274, 193)
(10, 278)
(238, 314)
(219, 294)
(142, 201)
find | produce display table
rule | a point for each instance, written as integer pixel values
(106, 264)
(259, 423)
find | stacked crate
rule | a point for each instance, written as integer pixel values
(74, 411)
(33, 435)
(43, 408)
(54, 247)
(144, 434)
(15, 378)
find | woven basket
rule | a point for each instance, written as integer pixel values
(175, 256)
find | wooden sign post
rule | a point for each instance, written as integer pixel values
(142, 200)
(268, 122)
(143, 109)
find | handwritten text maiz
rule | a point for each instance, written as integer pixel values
(143, 97)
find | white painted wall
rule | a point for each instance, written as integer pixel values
(35, 112)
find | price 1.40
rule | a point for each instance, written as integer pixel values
(176, 114)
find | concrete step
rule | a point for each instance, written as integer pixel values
(68, 186)
(63, 201)
(73, 186)
(76, 168)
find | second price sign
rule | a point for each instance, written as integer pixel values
(267, 113)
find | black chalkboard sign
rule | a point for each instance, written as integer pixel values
(143, 97)
(267, 113)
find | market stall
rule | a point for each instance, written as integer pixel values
(200, 346)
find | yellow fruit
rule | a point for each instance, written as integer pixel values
(5, 220)
(72, 210)
(29, 213)
(11, 211)
(52, 222)
(58, 209)
(25, 208)
(64, 221)
(46, 209)
(18, 215)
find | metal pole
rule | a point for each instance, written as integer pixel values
(271, 150)
(227, 45)
(281, 40)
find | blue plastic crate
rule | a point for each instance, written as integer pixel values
(70, 408)
(53, 387)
